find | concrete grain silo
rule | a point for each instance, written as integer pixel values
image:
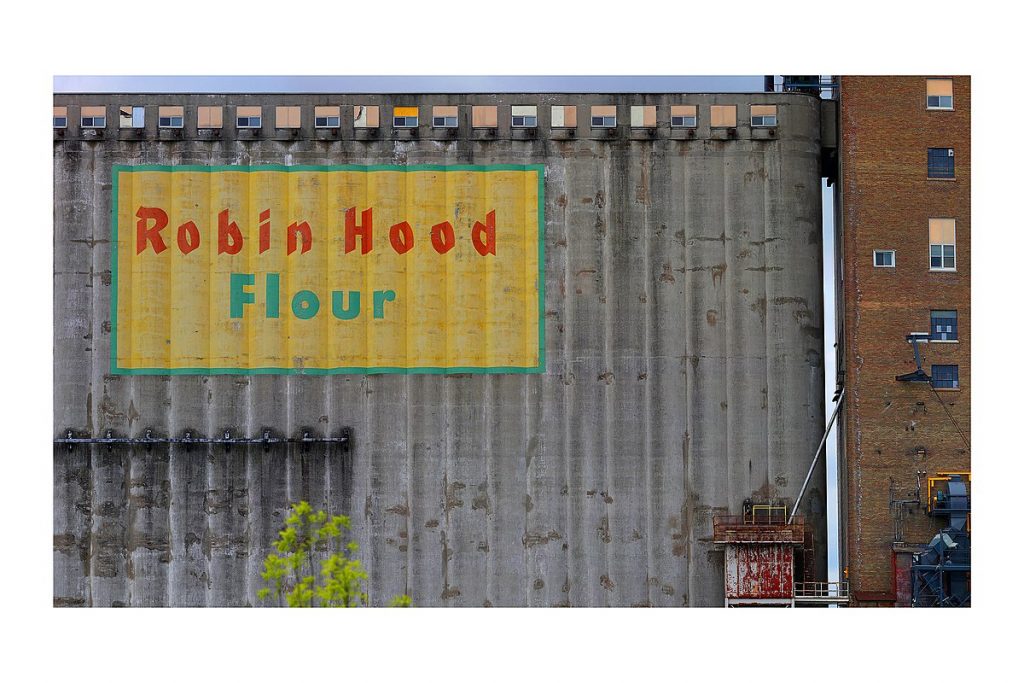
(679, 372)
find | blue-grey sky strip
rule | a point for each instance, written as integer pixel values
(405, 84)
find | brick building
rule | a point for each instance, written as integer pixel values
(903, 266)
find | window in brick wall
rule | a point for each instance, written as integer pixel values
(210, 117)
(940, 162)
(946, 376)
(563, 116)
(942, 243)
(249, 117)
(723, 115)
(764, 115)
(60, 117)
(406, 117)
(603, 116)
(943, 326)
(940, 93)
(366, 116)
(524, 116)
(885, 258)
(133, 117)
(684, 116)
(171, 117)
(94, 117)
(326, 117)
(445, 117)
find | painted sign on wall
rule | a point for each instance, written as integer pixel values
(327, 269)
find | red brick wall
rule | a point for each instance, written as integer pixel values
(886, 201)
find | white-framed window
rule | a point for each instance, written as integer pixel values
(524, 116)
(445, 117)
(602, 116)
(249, 117)
(132, 117)
(939, 93)
(683, 116)
(885, 258)
(327, 117)
(94, 117)
(942, 243)
(60, 117)
(406, 117)
(723, 115)
(171, 117)
(763, 115)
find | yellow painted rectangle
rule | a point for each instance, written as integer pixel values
(940, 87)
(763, 110)
(183, 303)
(407, 111)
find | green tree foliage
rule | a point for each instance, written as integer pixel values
(291, 574)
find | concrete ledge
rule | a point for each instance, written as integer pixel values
(563, 134)
(444, 133)
(723, 133)
(131, 134)
(604, 133)
(643, 133)
(763, 133)
(366, 133)
(524, 133)
(326, 133)
(485, 133)
(247, 133)
(682, 133)
(208, 133)
(406, 133)
(59, 133)
(93, 133)
(287, 134)
(170, 134)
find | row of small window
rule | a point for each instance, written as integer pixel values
(484, 116)
(941, 247)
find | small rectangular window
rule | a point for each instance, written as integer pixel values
(885, 258)
(643, 116)
(940, 93)
(485, 116)
(406, 117)
(249, 117)
(723, 115)
(763, 115)
(133, 117)
(210, 117)
(943, 326)
(288, 117)
(684, 116)
(942, 243)
(603, 116)
(445, 117)
(326, 117)
(940, 162)
(366, 116)
(946, 376)
(563, 116)
(524, 116)
(171, 117)
(94, 117)
(60, 117)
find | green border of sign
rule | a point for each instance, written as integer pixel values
(117, 169)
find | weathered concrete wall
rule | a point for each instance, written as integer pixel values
(684, 375)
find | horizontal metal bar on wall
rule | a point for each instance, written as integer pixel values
(266, 439)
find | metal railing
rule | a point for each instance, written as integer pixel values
(831, 591)
(750, 529)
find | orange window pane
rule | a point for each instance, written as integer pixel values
(723, 115)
